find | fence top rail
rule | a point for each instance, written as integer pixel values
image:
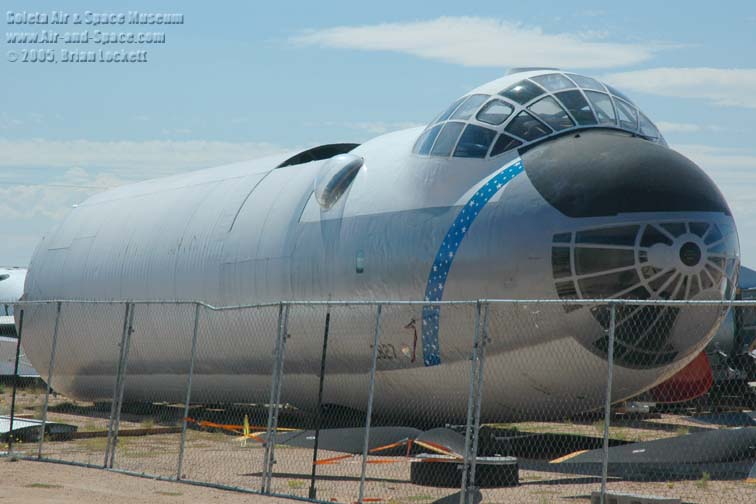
(389, 302)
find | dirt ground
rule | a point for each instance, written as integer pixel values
(26, 482)
(222, 458)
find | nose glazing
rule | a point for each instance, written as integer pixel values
(673, 239)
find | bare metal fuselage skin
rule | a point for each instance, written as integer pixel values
(248, 233)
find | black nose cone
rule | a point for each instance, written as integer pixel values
(598, 173)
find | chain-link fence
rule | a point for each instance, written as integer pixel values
(402, 402)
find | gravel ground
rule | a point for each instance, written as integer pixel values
(38, 482)
(223, 459)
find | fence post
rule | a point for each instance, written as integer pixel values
(122, 347)
(465, 489)
(188, 392)
(275, 397)
(608, 404)
(116, 415)
(371, 391)
(482, 340)
(319, 418)
(15, 381)
(49, 379)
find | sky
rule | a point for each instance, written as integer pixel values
(238, 81)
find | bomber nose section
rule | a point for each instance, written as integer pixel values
(641, 222)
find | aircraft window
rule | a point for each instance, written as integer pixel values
(560, 262)
(474, 142)
(527, 127)
(595, 260)
(647, 128)
(602, 104)
(469, 107)
(621, 235)
(617, 93)
(450, 110)
(522, 92)
(604, 286)
(553, 82)
(425, 142)
(628, 117)
(652, 236)
(699, 228)
(586, 82)
(552, 113)
(503, 144)
(577, 105)
(495, 112)
(447, 138)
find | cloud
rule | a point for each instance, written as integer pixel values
(668, 127)
(376, 127)
(674, 127)
(733, 87)
(130, 158)
(480, 42)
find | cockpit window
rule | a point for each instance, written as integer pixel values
(586, 82)
(578, 106)
(482, 125)
(552, 113)
(469, 107)
(449, 111)
(474, 142)
(602, 104)
(495, 112)
(447, 139)
(503, 144)
(647, 128)
(527, 127)
(627, 115)
(522, 92)
(554, 82)
(617, 93)
(425, 142)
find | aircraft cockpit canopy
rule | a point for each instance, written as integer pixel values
(482, 125)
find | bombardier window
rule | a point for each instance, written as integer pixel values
(553, 82)
(522, 92)
(527, 127)
(627, 115)
(474, 142)
(469, 107)
(577, 105)
(495, 112)
(503, 144)
(602, 104)
(554, 115)
(586, 82)
(447, 139)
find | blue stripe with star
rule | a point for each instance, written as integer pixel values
(434, 290)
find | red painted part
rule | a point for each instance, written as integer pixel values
(692, 381)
